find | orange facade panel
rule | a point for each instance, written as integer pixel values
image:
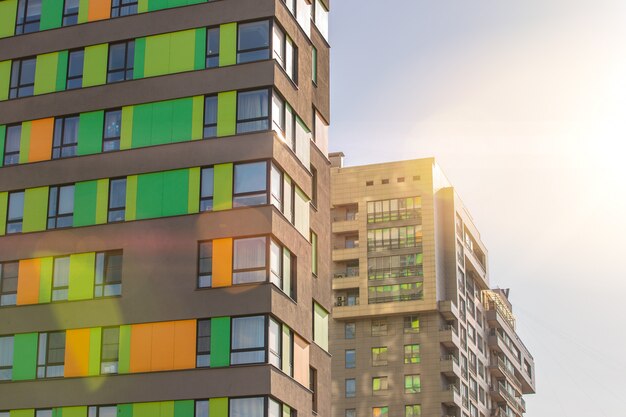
(222, 262)
(300, 360)
(140, 347)
(41, 140)
(162, 346)
(28, 281)
(185, 344)
(77, 352)
(99, 9)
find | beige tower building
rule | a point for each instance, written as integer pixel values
(417, 329)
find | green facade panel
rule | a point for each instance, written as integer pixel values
(197, 118)
(142, 6)
(3, 132)
(61, 81)
(218, 406)
(79, 411)
(95, 348)
(162, 194)
(8, 16)
(162, 122)
(24, 142)
(95, 67)
(5, 78)
(184, 408)
(175, 192)
(25, 356)
(182, 119)
(149, 195)
(167, 408)
(4, 201)
(45, 279)
(140, 58)
(82, 276)
(51, 14)
(131, 197)
(124, 353)
(152, 409)
(35, 209)
(83, 11)
(28, 412)
(228, 44)
(223, 187)
(125, 410)
(220, 342)
(90, 132)
(126, 134)
(183, 51)
(102, 201)
(193, 196)
(157, 55)
(85, 197)
(46, 73)
(200, 49)
(227, 113)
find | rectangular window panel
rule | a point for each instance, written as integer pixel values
(110, 350)
(70, 12)
(275, 343)
(379, 356)
(350, 330)
(411, 324)
(121, 61)
(205, 264)
(350, 358)
(249, 260)
(247, 407)
(414, 410)
(314, 253)
(276, 183)
(202, 408)
(412, 384)
(108, 277)
(123, 8)
(248, 340)
(212, 47)
(203, 347)
(350, 388)
(253, 41)
(51, 355)
(379, 327)
(112, 130)
(380, 412)
(65, 140)
(12, 145)
(28, 16)
(320, 326)
(102, 411)
(60, 278)
(380, 383)
(15, 215)
(22, 78)
(61, 207)
(412, 353)
(207, 189)
(250, 184)
(276, 264)
(6, 358)
(75, 67)
(117, 200)
(252, 111)
(210, 117)
(8, 283)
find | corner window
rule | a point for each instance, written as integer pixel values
(12, 145)
(213, 47)
(61, 207)
(22, 78)
(320, 17)
(247, 407)
(285, 52)
(283, 269)
(108, 281)
(65, 139)
(121, 61)
(123, 8)
(110, 350)
(8, 284)
(210, 117)
(70, 12)
(117, 200)
(6, 358)
(350, 388)
(275, 346)
(51, 355)
(28, 16)
(252, 111)
(15, 213)
(75, 67)
(248, 340)
(112, 130)
(350, 358)
(291, 6)
(250, 184)
(60, 278)
(253, 41)
(205, 264)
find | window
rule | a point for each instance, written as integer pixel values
(65, 139)
(314, 186)
(274, 345)
(285, 52)
(380, 411)
(379, 327)
(276, 189)
(110, 349)
(379, 356)
(117, 200)
(249, 260)
(8, 283)
(51, 355)
(385, 181)
(202, 408)
(43, 412)
(205, 264)
(395, 209)
(414, 410)
(411, 324)
(314, 250)
(250, 184)
(22, 77)
(206, 189)
(350, 388)
(6, 358)
(253, 42)
(253, 407)
(123, 7)
(380, 383)
(291, 6)
(60, 278)
(282, 268)
(108, 280)
(411, 384)
(252, 111)
(210, 117)
(112, 130)
(412, 353)
(400, 179)
(70, 12)
(313, 388)
(248, 340)
(350, 358)
(102, 411)
(12, 145)
(369, 183)
(320, 326)
(15, 213)
(121, 61)
(203, 347)
(320, 17)
(314, 65)
(396, 266)
(75, 68)
(349, 330)
(28, 16)
(61, 207)
(213, 47)
(350, 412)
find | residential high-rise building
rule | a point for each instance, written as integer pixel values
(163, 208)
(417, 331)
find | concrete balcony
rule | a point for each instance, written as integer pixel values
(345, 226)
(451, 397)
(499, 393)
(449, 337)
(499, 368)
(450, 366)
(345, 282)
(345, 254)
(448, 310)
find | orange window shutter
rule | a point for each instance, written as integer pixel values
(300, 360)
(98, 10)
(140, 347)
(28, 281)
(185, 344)
(77, 352)
(163, 346)
(41, 140)
(222, 262)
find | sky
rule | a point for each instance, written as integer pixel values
(523, 104)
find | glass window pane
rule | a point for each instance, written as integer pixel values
(28, 71)
(247, 407)
(253, 35)
(66, 200)
(249, 253)
(76, 63)
(250, 177)
(16, 206)
(207, 182)
(118, 194)
(112, 123)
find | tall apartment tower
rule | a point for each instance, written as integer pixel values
(164, 202)
(416, 330)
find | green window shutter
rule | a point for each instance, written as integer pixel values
(131, 197)
(182, 55)
(35, 209)
(125, 410)
(161, 123)
(223, 187)
(95, 67)
(85, 196)
(8, 15)
(200, 49)
(140, 58)
(193, 202)
(197, 118)
(95, 347)
(175, 192)
(83, 11)
(25, 142)
(126, 134)
(61, 81)
(184, 408)
(228, 44)
(46, 73)
(5, 78)
(79, 411)
(220, 342)
(90, 131)
(82, 276)
(3, 132)
(25, 356)
(182, 119)
(102, 201)
(227, 113)
(123, 366)
(141, 125)
(45, 279)
(157, 55)
(4, 201)
(30, 412)
(218, 406)
(149, 195)
(51, 14)
(152, 409)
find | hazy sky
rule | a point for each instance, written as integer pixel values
(523, 103)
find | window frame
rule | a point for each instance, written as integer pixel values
(15, 86)
(56, 288)
(21, 26)
(353, 331)
(247, 194)
(199, 268)
(353, 362)
(346, 392)
(380, 358)
(69, 77)
(60, 123)
(412, 389)
(44, 367)
(11, 362)
(9, 294)
(116, 140)
(104, 273)
(267, 118)
(412, 357)
(67, 15)
(206, 199)
(206, 125)
(120, 209)
(269, 47)
(17, 221)
(6, 144)
(56, 216)
(203, 353)
(125, 68)
(264, 348)
(115, 363)
(214, 55)
(121, 5)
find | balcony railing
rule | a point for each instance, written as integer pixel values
(501, 365)
(395, 215)
(396, 272)
(393, 298)
(390, 244)
(351, 271)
